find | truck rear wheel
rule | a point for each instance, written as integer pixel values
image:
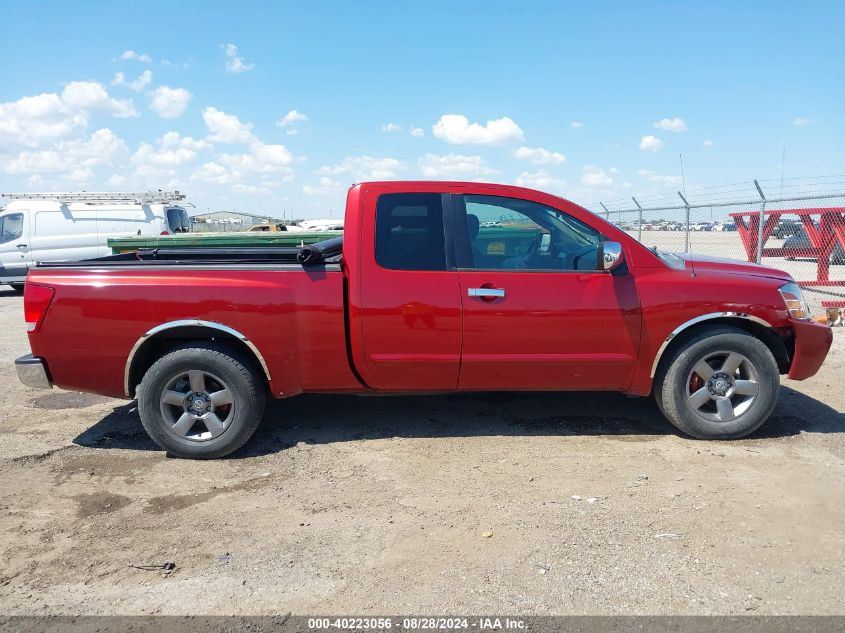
(201, 401)
(722, 383)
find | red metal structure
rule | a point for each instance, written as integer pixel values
(823, 235)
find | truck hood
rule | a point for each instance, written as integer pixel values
(703, 263)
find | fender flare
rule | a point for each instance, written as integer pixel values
(700, 319)
(189, 323)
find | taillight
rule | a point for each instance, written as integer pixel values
(164, 233)
(36, 300)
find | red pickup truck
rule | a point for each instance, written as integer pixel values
(434, 287)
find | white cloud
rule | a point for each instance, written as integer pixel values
(234, 62)
(170, 103)
(453, 166)
(540, 179)
(139, 57)
(576, 124)
(675, 124)
(212, 172)
(650, 143)
(173, 150)
(391, 127)
(30, 121)
(593, 176)
(252, 189)
(709, 143)
(539, 156)
(92, 96)
(325, 187)
(291, 119)
(226, 128)
(137, 85)
(801, 121)
(261, 159)
(457, 130)
(666, 181)
(363, 168)
(73, 158)
(417, 132)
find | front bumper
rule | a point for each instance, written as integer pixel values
(812, 342)
(32, 371)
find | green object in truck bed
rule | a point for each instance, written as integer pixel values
(214, 240)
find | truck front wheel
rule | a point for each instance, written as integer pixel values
(722, 383)
(201, 401)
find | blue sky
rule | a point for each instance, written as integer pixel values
(280, 106)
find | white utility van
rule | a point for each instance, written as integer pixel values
(48, 227)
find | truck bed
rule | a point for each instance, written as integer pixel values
(102, 309)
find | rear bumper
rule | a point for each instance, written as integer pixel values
(32, 371)
(812, 342)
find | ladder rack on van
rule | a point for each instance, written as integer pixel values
(100, 197)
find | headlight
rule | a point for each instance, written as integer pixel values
(794, 300)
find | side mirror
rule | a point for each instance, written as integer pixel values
(610, 256)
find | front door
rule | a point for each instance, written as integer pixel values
(537, 314)
(408, 305)
(14, 248)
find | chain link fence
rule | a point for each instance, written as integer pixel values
(802, 222)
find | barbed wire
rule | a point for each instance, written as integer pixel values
(791, 189)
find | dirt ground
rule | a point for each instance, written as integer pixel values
(345, 505)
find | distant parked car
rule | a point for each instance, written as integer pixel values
(274, 227)
(802, 240)
(785, 228)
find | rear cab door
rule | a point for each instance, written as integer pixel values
(537, 314)
(404, 301)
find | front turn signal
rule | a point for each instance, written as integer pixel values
(795, 302)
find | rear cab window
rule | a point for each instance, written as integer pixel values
(409, 231)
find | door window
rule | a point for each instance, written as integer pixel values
(11, 227)
(513, 234)
(409, 231)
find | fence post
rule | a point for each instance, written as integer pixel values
(686, 235)
(606, 211)
(640, 222)
(760, 220)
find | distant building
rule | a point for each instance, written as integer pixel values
(232, 217)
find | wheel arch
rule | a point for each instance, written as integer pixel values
(157, 340)
(755, 326)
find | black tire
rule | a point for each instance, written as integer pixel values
(18, 288)
(678, 385)
(220, 367)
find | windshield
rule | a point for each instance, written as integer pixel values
(178, 221)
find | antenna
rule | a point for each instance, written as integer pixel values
(782, 161)
(683, 179)
(99, 197)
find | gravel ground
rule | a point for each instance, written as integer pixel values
(442, 505)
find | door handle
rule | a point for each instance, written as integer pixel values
(22, 245)
(486, 293)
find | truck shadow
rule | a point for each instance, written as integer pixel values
(323, 419)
